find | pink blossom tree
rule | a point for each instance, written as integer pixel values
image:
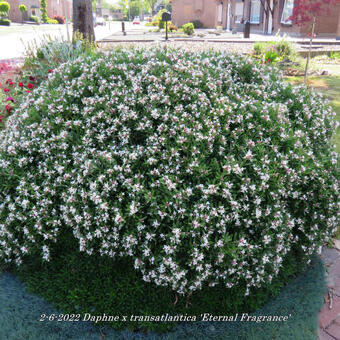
(305, 12)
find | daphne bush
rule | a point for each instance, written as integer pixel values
(201, 167)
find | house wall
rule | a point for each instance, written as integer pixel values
(54, 7)
(14, 13)
(206, 11)
(184, 11)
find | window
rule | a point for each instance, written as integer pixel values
(287, 11)
(255, 11)
(238, 12)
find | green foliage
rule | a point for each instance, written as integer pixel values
(274, 51)
(43, 9)
(157, 19)
(188, 28)
(217, 187)
(4, 8)
(22, 8)
(52, 21)
(5, 22)
(335, 55)
(50, 53)
(35, 19)
(197, 24)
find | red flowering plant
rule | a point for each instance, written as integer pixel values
(306, 12)
(12, 92)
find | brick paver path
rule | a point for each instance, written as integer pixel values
(329, 318)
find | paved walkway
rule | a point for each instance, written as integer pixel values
(329, 315)
(209, 35)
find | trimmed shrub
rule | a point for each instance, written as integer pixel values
(4, 8)
(35, 19)
(188, 28)
(202, 169)
(5, 22)
(52, 21)
(22, 8)
(43, 9)
(59, 18)
(197, 24)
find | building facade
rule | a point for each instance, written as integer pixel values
(54, 7)
(267, 16)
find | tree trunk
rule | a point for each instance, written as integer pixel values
(83, 19)
(310, 48)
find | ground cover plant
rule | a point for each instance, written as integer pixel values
(201, 170)
(301, 299)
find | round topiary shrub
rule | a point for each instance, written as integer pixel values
(202, 168)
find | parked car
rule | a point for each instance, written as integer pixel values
(136, 21)
(100, 21)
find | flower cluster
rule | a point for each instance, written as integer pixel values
(12, 91)
(202, 167)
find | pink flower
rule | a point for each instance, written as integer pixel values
(21, 84)
(8, 108)
(30, 86)
(10, 99)
(6, 89)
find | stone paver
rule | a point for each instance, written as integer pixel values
(334, 330)
(329, 319)
(326, 315)
(329, 256)
(323, 335)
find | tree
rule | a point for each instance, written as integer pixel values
(43, 8)
(269, 8)
(4, 9)
(151, 5)
(306, 12)
(23, 10)
(83, 19)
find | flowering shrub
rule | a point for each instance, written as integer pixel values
(202, 167)
(59, 18)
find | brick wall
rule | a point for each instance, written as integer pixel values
(184, 11)
(54, 7)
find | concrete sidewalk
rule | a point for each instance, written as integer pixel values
(329, 315)
(212, 35)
